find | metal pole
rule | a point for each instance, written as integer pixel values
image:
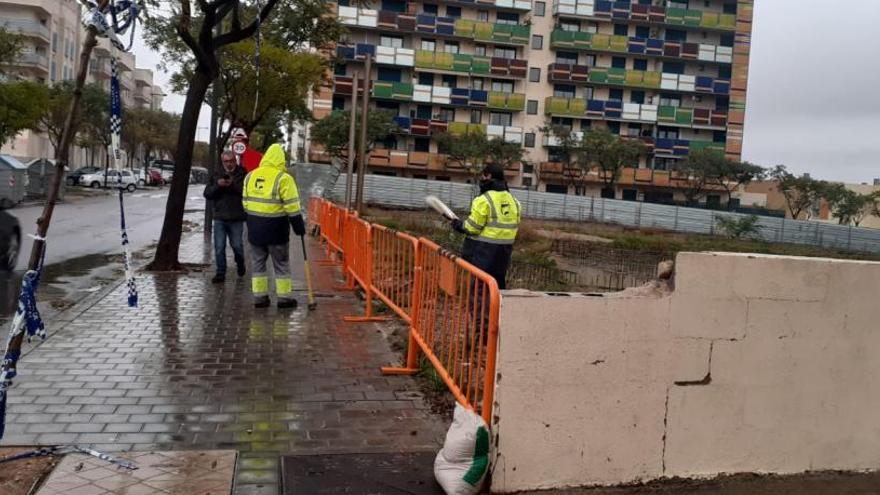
(213, 154)
(362, 165)
(352, 125)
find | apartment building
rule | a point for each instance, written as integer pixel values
(53, 41)
(669, 73)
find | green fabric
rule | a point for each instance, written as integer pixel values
(675, 15)
(619, 43)
(502, 32)
(444, 61)
(666, 113)
(616, 76)
(598, 76)
(481, 458)
(382, 89)
(652, 79)
(684, 116)
(457, 128)
(496, 100)
(561, 38)
(483, 31)
(710, 19)
(583, 39)
(727, 21)
(403, 91)
(481, 65)
(516, 101)
(635, 78)
(424, 59)
(520, 34)
(693, 17)
(464, 28)
(577, 106)
(554, 105)
(601, 41)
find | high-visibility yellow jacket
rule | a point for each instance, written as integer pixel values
(271, 200)
(494, 218)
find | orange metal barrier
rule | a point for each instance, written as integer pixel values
(394, 269)
(451, 306)
(313, 211)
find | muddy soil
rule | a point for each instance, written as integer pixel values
(22, 476)
(824, 483)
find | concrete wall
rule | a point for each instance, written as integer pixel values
(752, 364)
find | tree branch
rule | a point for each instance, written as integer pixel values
(241, 34)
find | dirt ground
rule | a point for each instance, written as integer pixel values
(22, 476)
(825, 483)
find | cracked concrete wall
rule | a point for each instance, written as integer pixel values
(752, 364)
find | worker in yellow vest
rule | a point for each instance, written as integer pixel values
(492, 225)
(271, 201)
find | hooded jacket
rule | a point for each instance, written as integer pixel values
(271, 200)
(227, 200)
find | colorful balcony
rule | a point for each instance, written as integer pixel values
(502, 4)
(507, 133)
(421, 127)
(404, 57)
(439, 95)
(610, 76)
(649, 14)
(642, 113)
(652, 47)
(682, 147)
(435, 25)
(471, 64)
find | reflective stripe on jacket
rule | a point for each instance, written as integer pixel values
(270, 198)
(494, 218)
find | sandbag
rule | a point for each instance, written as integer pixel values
(461, 465)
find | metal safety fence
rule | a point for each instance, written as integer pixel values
(450, 305)
(410, 193)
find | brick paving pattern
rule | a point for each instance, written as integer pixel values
(197, 367)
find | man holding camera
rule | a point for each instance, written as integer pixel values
(229, 216)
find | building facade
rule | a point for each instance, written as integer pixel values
(672, 74)
(53, 42)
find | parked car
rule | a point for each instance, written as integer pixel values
(167, 168)
(74, 177)
(96, 181)
(148, 177)
(10, 241)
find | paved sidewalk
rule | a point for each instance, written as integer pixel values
(197, 367)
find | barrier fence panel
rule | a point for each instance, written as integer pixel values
(394, 269)
(313, 211)
(357, 253)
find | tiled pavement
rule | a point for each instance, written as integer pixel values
(197, 367)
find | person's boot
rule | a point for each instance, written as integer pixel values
(240, 266)
(262, 302)
(287, 303)
(218, 279)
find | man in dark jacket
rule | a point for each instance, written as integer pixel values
(229, 215)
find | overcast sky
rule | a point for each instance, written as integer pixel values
(813, 101)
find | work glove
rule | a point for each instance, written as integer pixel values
(458, 226)
(299, 227)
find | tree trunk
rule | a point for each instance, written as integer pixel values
(169, 241)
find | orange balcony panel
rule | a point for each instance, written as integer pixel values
(661, 178)
(419, 158)
(437, 162)
(398, 159)
(644, 175)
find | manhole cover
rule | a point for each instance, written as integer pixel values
(385, 474)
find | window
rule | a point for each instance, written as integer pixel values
(480, 50)
(500, 118)
(566, 25)
(529, 140)
(338, 103)
(724, 72)
(453, 11)
(477, 83)
(591, 27)
(446, 115)
(426, 78)
(535, 74)
(591, 60)
(339, 70)
(428, 45)
(563, 91)
(727, 39)
(483, 15)
(422, 144)
(537, 42)
(667, 100)
(615, 94)
(532, 107)
(507, 18)
(618, 62)
(673, 67)
(588, 94)
(539, 9)
(614, 127)
(621, 30)
(503, 52)
(643, 32)
(451, 47)
(54, 43)
(678, 4)
(730, 8)
(640, 64)
(722, 103)
(52, 72)
(664, 163)
(392, 41)
(393, 5)
(556, 188)
(528, 168)
(391, 107)
(420, 176)
(429, 8)
(527, 182)
(476, 116)
(568, 58)
(667, 133)
(637, 97)
(634, 130)
(449, 81)
(388, 74)
(502, 86)
(566, 122)
(676, 35)
(423, 112)
(719, 137)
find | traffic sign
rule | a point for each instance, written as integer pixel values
(239, 148)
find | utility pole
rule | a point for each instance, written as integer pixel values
(362, 161)
(352, 125)
(213, 154)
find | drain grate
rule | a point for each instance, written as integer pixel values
(386, 474)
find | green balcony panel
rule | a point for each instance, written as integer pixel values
(635, 78)
(598, 75)
(402, 91)
(483, 31)
(684, 116)
(481, 65)
(457, 128)
(601, 42)
(616, 76)
(383, 89)
(476, 129)
(583, 40)
(563, 39)
(577, 106)
(554, 105)
(727, 21)
(619, 43)
(652, 79)
(497, 100)
(502, 32)
(462, 62)
(444, 61)
(516, 101)
(675, 15)
(424, 59)
(705, 145)
(520, 34)
(666, 114)
(709, 20)
(464, 28)
(693, 18)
